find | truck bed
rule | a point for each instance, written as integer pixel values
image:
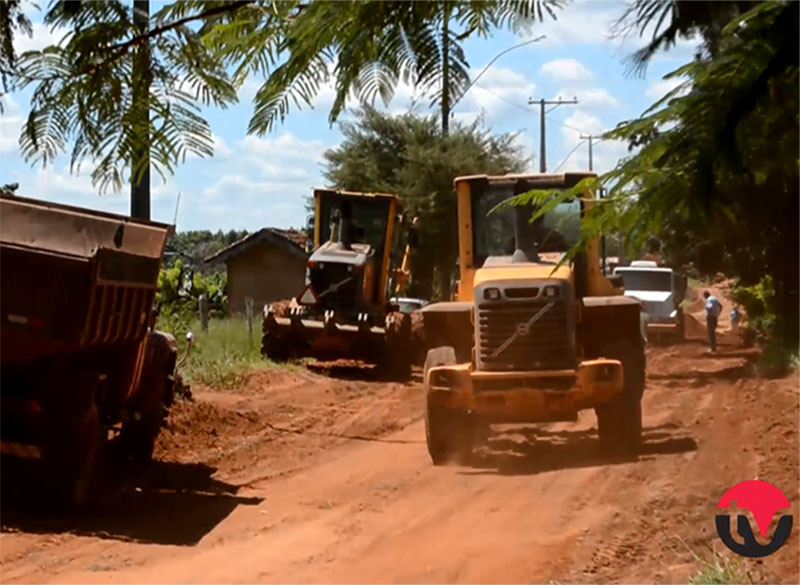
(72, 278)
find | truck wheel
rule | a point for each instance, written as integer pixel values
(619, 422)
(449, 433)
(680, 331)
(140, 435)
(153, 397)
(397, 352)
(71, 460)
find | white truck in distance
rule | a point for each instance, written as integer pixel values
(661, 290)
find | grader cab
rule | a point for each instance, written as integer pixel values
(529, 340)
(345, 309)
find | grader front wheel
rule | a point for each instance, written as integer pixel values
(397, 354)
(449, 433)
(619, 422)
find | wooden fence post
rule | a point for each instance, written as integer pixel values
(203, 302)
(248, 303)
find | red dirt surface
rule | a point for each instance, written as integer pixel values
(323, 476)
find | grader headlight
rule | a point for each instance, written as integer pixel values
(491, 294)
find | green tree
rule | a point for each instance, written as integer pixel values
(201, 51)
(716, 174)
(408, 155)
(672, 19)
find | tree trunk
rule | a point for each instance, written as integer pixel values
(140, 164)
(446, 70)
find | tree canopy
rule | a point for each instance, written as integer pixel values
(715, 173)
(408, 155)
(201, 51)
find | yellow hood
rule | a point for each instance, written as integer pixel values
(522, 272)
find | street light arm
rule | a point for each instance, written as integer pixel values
(489, 64)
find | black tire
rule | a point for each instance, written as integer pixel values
(274, 347)
(72, 459)
(397, 352)
(449, 433)
(680, 332)
(154, 395)
(619, 422)
(139, 436)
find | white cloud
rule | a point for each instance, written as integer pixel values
(248, 89)
(592, 22)
(567, 71)
(495, 96)
(524, 140)
(284, 156)
(594, 98)
(42, 37)
(10, 125)
(221, 148)
(659, 89)
(605, 153)
(577, 124)
(581, 22)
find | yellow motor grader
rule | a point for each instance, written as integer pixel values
(344, 311)
(529, 340)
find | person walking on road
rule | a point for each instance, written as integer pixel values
(713, 310)
(736, 316)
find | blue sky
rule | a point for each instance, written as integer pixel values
(253, 182)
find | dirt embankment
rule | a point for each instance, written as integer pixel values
(323, 476)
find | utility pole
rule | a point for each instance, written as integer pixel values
(140, 189)
(590, 138)
(542, 103)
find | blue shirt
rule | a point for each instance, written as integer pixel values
(713, 306)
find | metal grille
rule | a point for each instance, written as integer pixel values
(547, 345)
(346, 296)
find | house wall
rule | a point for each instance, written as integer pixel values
(266, 273)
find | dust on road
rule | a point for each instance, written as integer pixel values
(306, 476)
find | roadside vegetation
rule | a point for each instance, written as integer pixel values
(221, 357)
(719, 570)
(713, 171)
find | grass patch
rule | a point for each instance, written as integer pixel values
(221, 357)
(720, 570)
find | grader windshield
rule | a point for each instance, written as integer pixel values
(370, 217)
(500, 232)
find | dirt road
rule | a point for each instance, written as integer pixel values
(315, 477)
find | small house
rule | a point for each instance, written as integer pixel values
(268, 265)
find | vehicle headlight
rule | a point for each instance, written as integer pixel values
(491, 294)
(551, 291)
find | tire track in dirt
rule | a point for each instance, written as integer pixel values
(233, 499)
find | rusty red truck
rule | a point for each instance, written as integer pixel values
(80, 361)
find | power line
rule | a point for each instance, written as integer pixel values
(527, 109)
(571, 152)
